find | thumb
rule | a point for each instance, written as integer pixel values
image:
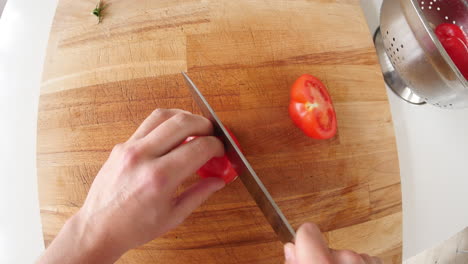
(290, 253)
(194, 196)
(310, 245)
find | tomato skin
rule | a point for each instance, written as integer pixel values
(455, 42)
(311, 108)
(218, 167)
(447, 30)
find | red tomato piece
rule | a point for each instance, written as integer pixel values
(455, 42)
(311, 108)
(447, 30)
(219, 167)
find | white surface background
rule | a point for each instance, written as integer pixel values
(2, 5)
(432, 145)
(433, 153)
(24, 31)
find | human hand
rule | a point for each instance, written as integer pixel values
(132, 199)
(311, 248)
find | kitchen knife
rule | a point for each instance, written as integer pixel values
(254, 185)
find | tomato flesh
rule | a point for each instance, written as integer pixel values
(311, 108)
(455, 42)
(218, 167)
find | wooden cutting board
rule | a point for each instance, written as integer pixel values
(101, 80)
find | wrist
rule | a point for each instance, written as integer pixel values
(81, 241)
(92, 239)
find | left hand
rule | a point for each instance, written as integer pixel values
(132, 199)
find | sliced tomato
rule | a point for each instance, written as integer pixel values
(311, 108)
(219, 167)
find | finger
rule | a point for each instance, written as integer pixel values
(193, 197)
(156, 118)
(290, 253)
(174, 131)
(367, 259)
(186, 159)
(310, 245)
(347, 256)
(377, 260)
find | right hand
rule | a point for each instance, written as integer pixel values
(311, 248)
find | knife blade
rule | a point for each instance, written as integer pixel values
(246, 173)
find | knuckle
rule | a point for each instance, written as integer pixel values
(160, 112)
(180, 111)
(198, 124)
(182, 118)
(156, 111)
(168, 113)
(207, 144)
(117, 148)
(158, 177)
(131, 155)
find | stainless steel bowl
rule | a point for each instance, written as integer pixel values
(414, 62)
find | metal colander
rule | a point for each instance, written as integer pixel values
(414, 63)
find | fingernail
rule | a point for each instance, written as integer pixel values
(288, 252)
(220, 184)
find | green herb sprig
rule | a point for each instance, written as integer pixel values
(98, 10)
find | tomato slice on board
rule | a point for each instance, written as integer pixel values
(455, 42)
(219, 167)
(311, 108)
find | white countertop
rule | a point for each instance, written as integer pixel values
(433, 153)
(2, 5)
(24, 31)
(432, 145)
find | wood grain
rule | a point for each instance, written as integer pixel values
(101, 81)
